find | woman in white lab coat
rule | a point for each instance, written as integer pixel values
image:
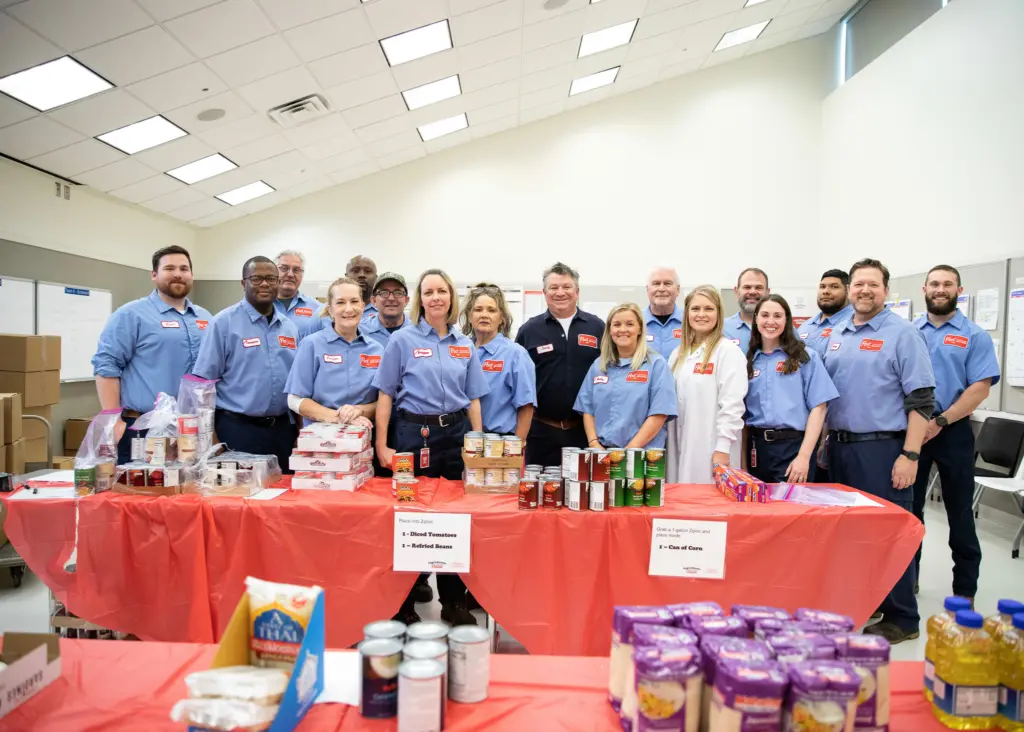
(711, 383)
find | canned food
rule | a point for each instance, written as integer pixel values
(187, 448)
(138, 449)
(513, 447)
(156, 450)
(575, 464)
(577, 496)
(600, 465)
(528, 494)
(404, 488)
(388, 629)
(635, 463)
(188, 424)
(380, 658)
(654, 492)
(616, 493)
(432, 630)
(473, 444)
(494, 477)
(552, 488)
(617, 463)
(137, 477)
(512, 476)
(85, 480)
(227, 469)
(555, 469)
(155, 477)
(403, 462)
(469, 663)
(421, 696)
(634, 492)
(433, 650)
(105, 476)
(494, 446)
(474, 476)
(537, 468)
(598, 490)
(655, 463)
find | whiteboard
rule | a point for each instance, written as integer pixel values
(77, 315)
(18, 304)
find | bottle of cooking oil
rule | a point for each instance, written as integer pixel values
(1005, 610)
(1010, 650)
(936, 625)
(966, 690)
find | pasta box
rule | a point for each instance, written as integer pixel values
(33, 662)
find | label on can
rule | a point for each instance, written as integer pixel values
(528, 494)
(654, 492)
(420, 697)
(105, 476)
(494, 447)
(474, 476)
(156, 450)
(473, 444)
(513, 447)
(552, 488)
(379, 699)
(85, 480)
(577, 495)
(494, 477)
(403, 462)
(600, 465)
(634, 492)
(404, 488)
(598, 491)
(635, 463)
(617, 467)
(188, 424)
(469, 665)
(616, 493)
(138, 449)
(575, 464)
(512, 476)
(654, 462)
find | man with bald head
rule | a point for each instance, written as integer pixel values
(664, 318)
(364, 271)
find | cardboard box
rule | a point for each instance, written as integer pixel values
(37, 388)
(352, 482)
(36, 450)
(14, 457)
(33, 662)
(63, 463)
(10, 406)
(337, 463)
(29, 352)
(74, 432)
(32, 428)
(483, 462)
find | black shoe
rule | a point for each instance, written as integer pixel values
(407, 615)
(421, 592)
(471, 602)
(892, 632)
(876, 615)
(457, 613)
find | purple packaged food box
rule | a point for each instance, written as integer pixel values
(869, 656)
(717, 649)
(767, 627)
(735, 627)
(752, 613)
(623, 619)
(667, 690)
(748, 697)
(822, 695)
(793, 647)
(645, 634)
(685, 612)
(831, 622)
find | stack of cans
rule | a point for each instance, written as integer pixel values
(491, 445)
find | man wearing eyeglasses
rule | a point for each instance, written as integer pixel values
(250, 348)
(390, 297)
(299, 308)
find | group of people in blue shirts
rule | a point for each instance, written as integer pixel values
(856, 395)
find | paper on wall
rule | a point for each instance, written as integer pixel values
(1015, 338)
(963, 304)
(903, 308)
(986, 308)
(600, 309)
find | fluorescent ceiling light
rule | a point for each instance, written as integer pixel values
(743, 35)
(602, 40)
(246, 193)
(53, 84)
(586, 83)
(443, 127)
(417, 43)
(142, 135)
(435, 91)
(749, 2)
(202, 169)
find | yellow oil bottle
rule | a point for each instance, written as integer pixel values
(1010, 652)
(1005, 610)
(936, 626)
(966, 689)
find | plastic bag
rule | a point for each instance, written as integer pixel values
(230, 473)
(812, 495)
(96, 458)
(197, 400)
(160, 445)
(264, 686)
(229, 715)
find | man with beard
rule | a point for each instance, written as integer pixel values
(966, 368)
(663, 317)
(149, 344)
(879, 363)
(364, 271)
(301, 309)
(833, 302)
(249, 349)
(751, 288)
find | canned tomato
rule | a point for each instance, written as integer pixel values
(380, 659)
(616, 493)
(188, 424)
(474, 476)
(403, 462)
(494, 446)
(617, 460)
(577, 495)
(634, 492)
(513, 446)
(528, 494)
(473, 444)
(469, 664)
(655, 463)
(405, 487)
(598, 491)
(575, 464)
(600, 465)
(420, 696)
(494, 477)
(387, 629)
(635, 463)
(552, 488)
(654, 492)
(512, 476)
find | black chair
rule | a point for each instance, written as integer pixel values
(1000, 443)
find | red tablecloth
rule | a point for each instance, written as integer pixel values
(113, 686)
(172, 569)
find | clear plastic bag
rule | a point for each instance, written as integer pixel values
(263, 686)
(160, 445)
(230, 473)
(96, 458)
(812, 495)
(197, 400)
(229, 715)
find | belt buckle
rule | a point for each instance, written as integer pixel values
(841, 436)
(440, 420)
(769, 435)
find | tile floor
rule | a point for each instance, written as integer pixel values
(26, 608)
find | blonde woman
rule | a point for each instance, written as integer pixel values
(508, 407)
(628, 395)
(711, 383)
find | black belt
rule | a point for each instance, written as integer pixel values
(844, 436)
(257, 421)
(130, 414)
(431, 420)
(771, 435)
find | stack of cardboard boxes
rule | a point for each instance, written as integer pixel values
(29, 374)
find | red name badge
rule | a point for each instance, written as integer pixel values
(779, 366)
(459, 351)
(826, 333)
(587, 340)
(170, 324)
(493, 367)
(870, 344)
(305, 312)
(546, 348)
(422, 353)
(333, 358)
(636, 377)
(250, 342)
(600, 379)
(677, 333)
(704, 370)
(369, 362)
(955, 340)
(286, 342)
(201, 324)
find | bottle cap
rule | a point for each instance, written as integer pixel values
(1010, 607)
(969, 619)
(955, 603)
(1018, 621)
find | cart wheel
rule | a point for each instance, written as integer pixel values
(16, 575)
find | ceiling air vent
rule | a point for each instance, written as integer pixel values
(307, 109)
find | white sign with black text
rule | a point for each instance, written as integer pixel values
(432, 542)
(693, 549)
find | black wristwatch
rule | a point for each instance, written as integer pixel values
(910, 455)
(941, 421)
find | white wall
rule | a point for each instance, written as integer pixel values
(923, 148)
(91, 224)
(711, 172)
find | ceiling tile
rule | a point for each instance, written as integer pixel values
(757, 14)
(175, 153)
(176, 199)
(290, 160)
(34, 137)
(492, 95)
(487, 129)
(794, 5)
(390, 17)
(22, 48)
(542, 112)
(491, 50)
(343, 161)
(361, 91)
(187, 117)
(137, 56)
(254, 61)
(280, 89)
(640, 67)
(257, 150)
(116, 175)
(401, 157)
(311, 185)
(490, 21)
(787, 22)
(245, 130)
(632, 83)
(329, 147)
(166, 9)
(501, 110)
(600, 61)
(427, 69)
(816, 27)
(669, 71)
(458, 7)
(356, 171)
(586, 98)
(219, 218)
(765, 43)
(402, 141)
(660, 6)
(331, 35)
(684, 16)
(387, 128)
(286, 179)
(544, 96)
(220, 27)
(75, 25)
(262, 203)
(78, 158)
(374, 112)
(833, 7)
(703, 37)
(148, 189)
(440, 110)
(490, 75)
(179, 87)
(606, 14)
(545, 58)
(101, 113)
(534, 10)
(654, 45)
(198, 210)
(546, 79)
(290, 13)
(12, 111)
(349, 65)
(560, 28)
(332, 127)
(726, 55)
(450, 140)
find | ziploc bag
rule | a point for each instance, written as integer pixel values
(97, 455)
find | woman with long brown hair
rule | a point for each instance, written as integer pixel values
(786, 397)
(710, 376)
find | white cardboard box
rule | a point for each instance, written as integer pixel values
(347, 483)
(341, 443)
(339, 463)
(33, 662)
